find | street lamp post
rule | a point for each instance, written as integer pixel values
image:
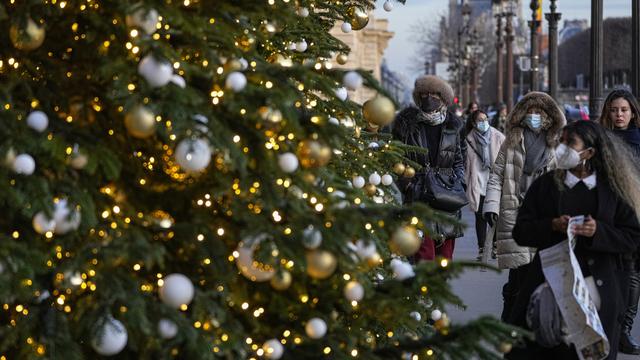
(499, 59)
(597, 59)
(462, 69)
(509, 41)
(635, 48)
(534, 24)
(553, 17)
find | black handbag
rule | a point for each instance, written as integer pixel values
(443, 190)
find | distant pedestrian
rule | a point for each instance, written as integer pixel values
(621, 113)
(483, 144)
(533, 129)
(473, 106)
(499, 120)
(593, 179)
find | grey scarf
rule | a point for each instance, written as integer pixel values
(433, 118)
(535, 146)
(483, 142)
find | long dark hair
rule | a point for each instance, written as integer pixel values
(605, 120)
(471, 121)
(612, 160)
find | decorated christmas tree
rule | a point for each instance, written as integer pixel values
(188, 179)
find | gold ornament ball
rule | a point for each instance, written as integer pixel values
(379, 111)
(399, 168)
(443, 323)
(245, 42)
(321, 264)
(342, 59)
(409, 172)
(140, 122)
(232, 65)
(281, 280)
(374, 260)
(313, 154)
(405, 241)
(505, 347)
(358, 17)
(370, 189)
(27, 38)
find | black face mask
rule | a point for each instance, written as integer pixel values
(430, 104)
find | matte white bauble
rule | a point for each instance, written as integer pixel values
(236, 81)
(415, 316)
(302, 46)
(358, 182)
(167, 329)
(346, 27)
(388, 5)
(303, 12)
(342, 93)
(387, 179)
(288, 162)
(334, 121)
(178, 81)
(311, 237)
(375, 179)
(316, 328)
(273, 349)
(244, 63)
(193, 155)
(176, 290)
(111, 338)
(156, 73)
(292, 46)
(42, 224)
(374, 145)
(402, 270)
(353, 291)
(352, 80)
(64, 218)
(436, 315)
(24, 164)
(144, 19)
(38, 121)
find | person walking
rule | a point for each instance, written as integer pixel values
(621, 114)
(533, 129)
(432, 127)
(499, 120)
(593, 179)
(473, 106)
(483, 144)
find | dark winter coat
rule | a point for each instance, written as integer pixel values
(617, 232)
(631, 137)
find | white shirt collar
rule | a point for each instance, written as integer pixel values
(571, 180)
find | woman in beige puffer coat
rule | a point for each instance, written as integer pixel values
(532, 132)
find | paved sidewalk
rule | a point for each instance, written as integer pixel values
(481, 291)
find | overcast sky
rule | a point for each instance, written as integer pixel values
(401, 49)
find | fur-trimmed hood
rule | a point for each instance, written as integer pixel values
(554, 119)
(434, 85)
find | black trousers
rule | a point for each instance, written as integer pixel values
(511, 289)
(481, 226)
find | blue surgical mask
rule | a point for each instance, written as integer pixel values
(534, 121)
(482, 126)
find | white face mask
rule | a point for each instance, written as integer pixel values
(567, 158)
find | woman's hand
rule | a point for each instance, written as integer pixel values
(559, 224)
(587, 229)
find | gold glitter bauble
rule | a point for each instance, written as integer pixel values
(358, 17)
(399, 168)
(443, 323)
(313, 154)
(28, 37)
(405, 241)
(374, 260)
(321, 264)
(245, 42)
(342, 59)
(232, 65)
(140, 122)
(281, 280)
(379, 111)
(409, 172)
(505, 347)
(370, 189)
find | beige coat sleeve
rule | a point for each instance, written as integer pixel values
(494, 186)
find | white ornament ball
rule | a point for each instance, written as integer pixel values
(156, 73)
(316, 328)
(402, 270)
(167, 329)
(334, 121)
(387, 179)
(42, 224)
(415, 316)
(303, 12)
(358, 182)
(436, 315)
(374, 145)
(178, 81)
(346, 27)
(388, 5)
(311, 237)
(24, 164)
(354, 291)
(79, 159)
(111, 338)
(288, 162)
(177, 290)
(292, 46)
(236, 81)
(273, 349)
(145, 19)
(244, 63)
(38, 121)
(375, 179)
(64, 218)
(193, 155)
(352, 80)
(342, 93)
(302, 46)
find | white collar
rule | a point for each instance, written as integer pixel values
(571, 180)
